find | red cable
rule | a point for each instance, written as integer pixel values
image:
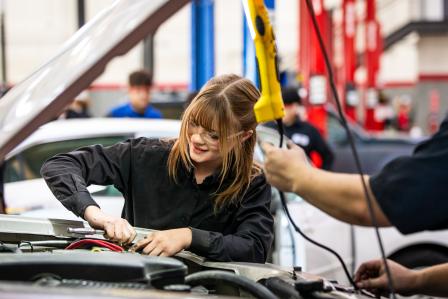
(94, 242)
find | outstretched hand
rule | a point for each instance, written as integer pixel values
(285, 167)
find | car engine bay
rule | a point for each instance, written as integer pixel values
(43, 256)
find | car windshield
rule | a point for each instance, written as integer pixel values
(336, 132)
(26, 165)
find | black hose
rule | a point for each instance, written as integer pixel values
(281, 288)
(281, 131)
(352, 143)
(213, 276)
(297, 228)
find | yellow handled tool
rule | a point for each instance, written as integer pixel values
(270, 106)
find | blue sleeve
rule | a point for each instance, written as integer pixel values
(112, 113)
(156, 113)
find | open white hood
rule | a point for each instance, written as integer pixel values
(44, 94)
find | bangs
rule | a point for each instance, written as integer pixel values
(204, 113)
(212, 114)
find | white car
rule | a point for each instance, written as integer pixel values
(27, 194)
(40, 98)
(81, 272)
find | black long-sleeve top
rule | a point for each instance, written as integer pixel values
(138, 168)
(411, 190)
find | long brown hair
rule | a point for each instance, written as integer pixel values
(225, 104)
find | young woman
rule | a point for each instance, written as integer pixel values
(202, 191)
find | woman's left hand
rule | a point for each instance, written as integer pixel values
(165, 242)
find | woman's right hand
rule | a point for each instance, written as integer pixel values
(115, 229)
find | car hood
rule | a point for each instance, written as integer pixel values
(38, 196)
(16, 228)
(44, 94)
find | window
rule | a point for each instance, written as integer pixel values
(336, 132)
(26, 165)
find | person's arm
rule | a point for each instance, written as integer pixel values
(432, 280)
(254, 231)
(68, 175)
(340, 195)
(429, 281)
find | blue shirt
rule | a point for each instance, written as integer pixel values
(126, 110)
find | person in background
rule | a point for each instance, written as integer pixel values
(384, 113)
(139, 99)
(303, 133)
(404, 121)
(79, 108)
(203, 191)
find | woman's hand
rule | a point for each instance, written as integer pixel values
(115, 229)
(164, 243)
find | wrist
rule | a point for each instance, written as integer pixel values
(302, 183)
(188, 237)
(95, 217)
(418, 281)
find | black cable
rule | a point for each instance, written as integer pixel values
(212, 276)
(293, 245)
(281, 288)
(352, 144)
(296, 227)
(281, 131)
(344, 267)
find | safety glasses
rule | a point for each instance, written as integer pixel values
(210, 137)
